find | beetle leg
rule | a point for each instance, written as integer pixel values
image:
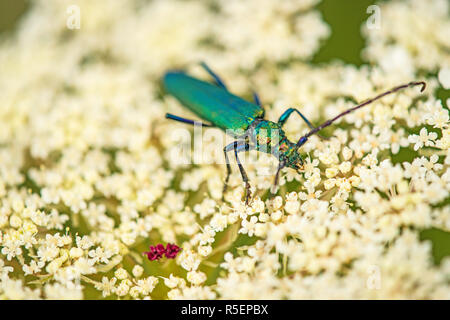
(256, 99)
(238, 146)
(184, 120)
(277, 175)
(217, 79)
(227, 160)
(283, 118)
(243, 173)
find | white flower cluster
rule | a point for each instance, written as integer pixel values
(405, 41)
(88, 179)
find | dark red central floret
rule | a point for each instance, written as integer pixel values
(155, 252)
(172, 250)
(158, 251)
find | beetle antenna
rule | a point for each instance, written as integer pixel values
(330, 121)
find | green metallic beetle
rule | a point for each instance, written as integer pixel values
(245, 120)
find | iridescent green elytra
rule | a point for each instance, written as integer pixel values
(245, 120)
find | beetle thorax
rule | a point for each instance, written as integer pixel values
(269, 137)
(266, 136)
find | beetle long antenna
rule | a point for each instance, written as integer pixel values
(330, 121)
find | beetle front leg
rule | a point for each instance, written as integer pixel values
(227, 160)
(277, 177)
(243, 173)
(283, 118)
(238, 146)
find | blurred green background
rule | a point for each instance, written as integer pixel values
(345, 44)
